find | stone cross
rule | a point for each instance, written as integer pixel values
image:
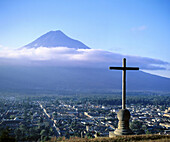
(124, 68)
(123, 114)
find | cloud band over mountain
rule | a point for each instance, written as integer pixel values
(64, 56)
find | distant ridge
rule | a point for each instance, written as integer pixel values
(56, 39)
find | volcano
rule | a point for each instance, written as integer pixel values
(85, 76)
(56, 39)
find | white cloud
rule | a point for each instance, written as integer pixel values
(75, 57)
(140, 28)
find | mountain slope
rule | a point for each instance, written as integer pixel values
(56, 39)
(57, 79)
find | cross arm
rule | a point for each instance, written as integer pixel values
(132, 68)
(116, 68)
(123, 68)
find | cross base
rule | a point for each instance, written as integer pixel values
(123, 125)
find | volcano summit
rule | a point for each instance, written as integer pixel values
(56, 39)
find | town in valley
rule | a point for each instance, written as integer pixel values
(42, 117)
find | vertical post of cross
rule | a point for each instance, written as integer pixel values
(124, 84)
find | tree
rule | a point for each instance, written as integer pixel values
(17, 134)
(43, 132)
(4, 137)
(148, 132)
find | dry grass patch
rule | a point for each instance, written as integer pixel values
(130, 138)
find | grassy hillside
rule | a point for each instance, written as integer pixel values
(131, 138)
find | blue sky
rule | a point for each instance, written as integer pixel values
(130, 27)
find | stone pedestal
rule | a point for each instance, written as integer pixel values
(123, 125)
